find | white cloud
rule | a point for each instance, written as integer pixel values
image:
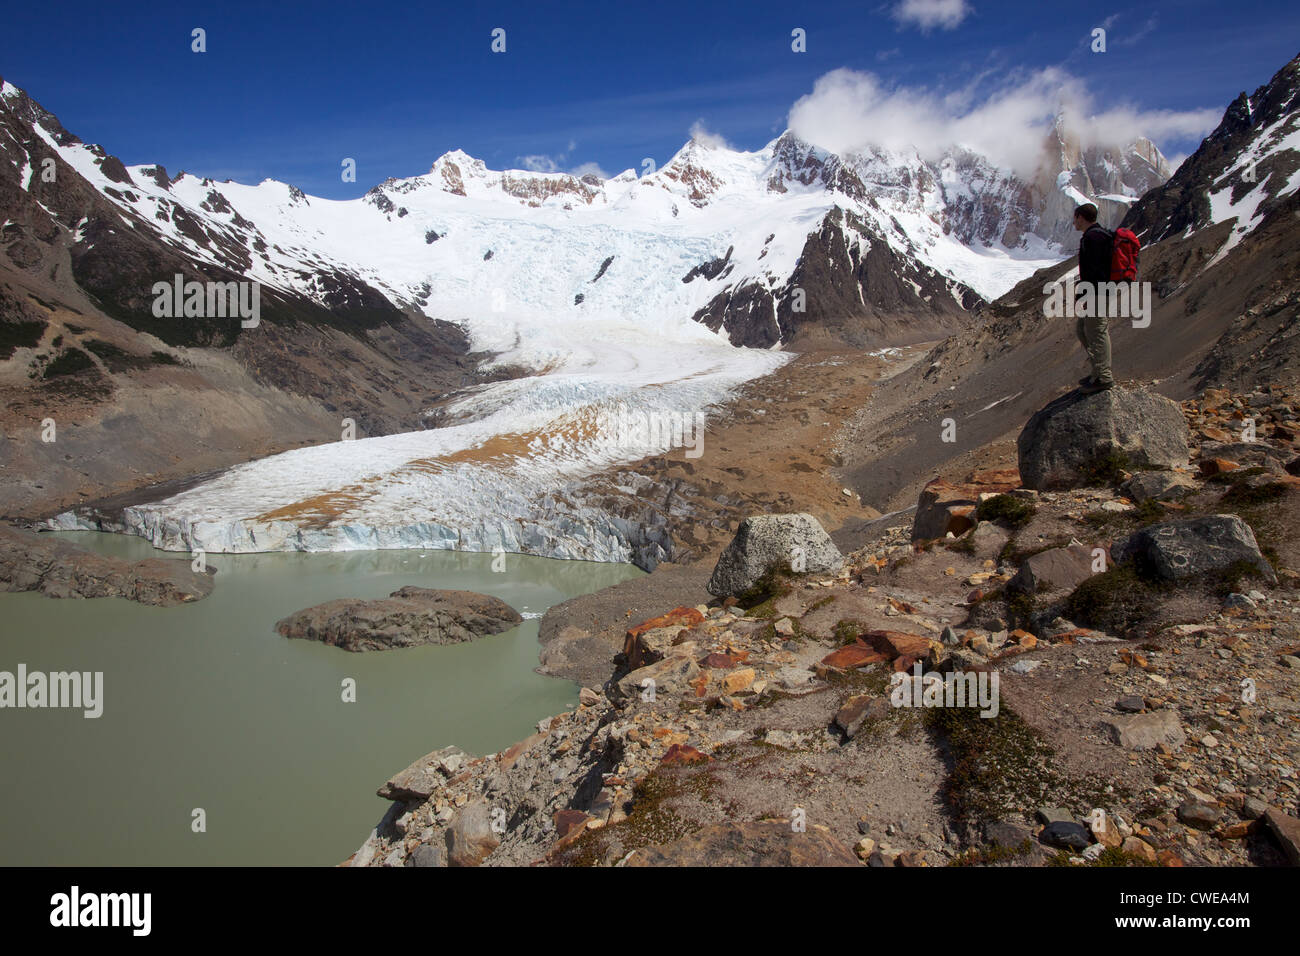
(928, 14)
(538, 163)
(849, 110)
(558, 163)
(705, 137)
(582, 169)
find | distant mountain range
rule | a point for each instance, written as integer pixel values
(885, 246)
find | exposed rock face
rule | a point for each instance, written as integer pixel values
(773, 542)
(1254, 126)
(1174, 550)
(1064, 442)
(749, 844)
(863, 292)
(408, 617)
(32, 562)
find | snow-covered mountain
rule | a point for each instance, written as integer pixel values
(716, 234)
(1244, 170)
(632, 292)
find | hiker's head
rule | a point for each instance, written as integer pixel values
(1084, 216)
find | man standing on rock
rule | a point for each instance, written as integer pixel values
(1094, 267)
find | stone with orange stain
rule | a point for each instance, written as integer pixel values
(898, 643)
(1216, 466)
(856, 654)
(738, 680)
(716, 661)
(677, 617)
(683, 755)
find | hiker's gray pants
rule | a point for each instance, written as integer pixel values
(1094, 336)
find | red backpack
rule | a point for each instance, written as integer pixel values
(1124, 256)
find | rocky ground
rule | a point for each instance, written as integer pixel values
(1139, 720)
(31, 562)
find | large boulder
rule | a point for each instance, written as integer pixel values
(1064, 443)
(1191, 547)
(58, 569)
(408, 617)
(793, 542)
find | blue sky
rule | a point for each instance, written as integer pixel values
(287, 91)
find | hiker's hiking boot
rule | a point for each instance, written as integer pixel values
(1086, 380)
(1093, 387)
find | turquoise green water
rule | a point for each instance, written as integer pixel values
(205, 706)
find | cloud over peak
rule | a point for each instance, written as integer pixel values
(848, 111)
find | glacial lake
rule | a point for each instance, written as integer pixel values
(206, 706)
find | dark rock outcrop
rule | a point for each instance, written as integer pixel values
(1175, 550)
(408, 617)
(33, 562)
(1069, 441)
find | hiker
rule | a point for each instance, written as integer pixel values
(1095, 246)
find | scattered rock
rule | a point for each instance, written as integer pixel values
(670, 677)
(1053, 570)
(1145, 731)
(426, 854)
(857, 711)
(1202, 816)
(1067, 834)
(1005, 834)
(1286, 830)
(1157, 485)
(1054, 815)
(1136, 846)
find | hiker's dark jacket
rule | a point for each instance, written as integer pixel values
(1094, 254)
